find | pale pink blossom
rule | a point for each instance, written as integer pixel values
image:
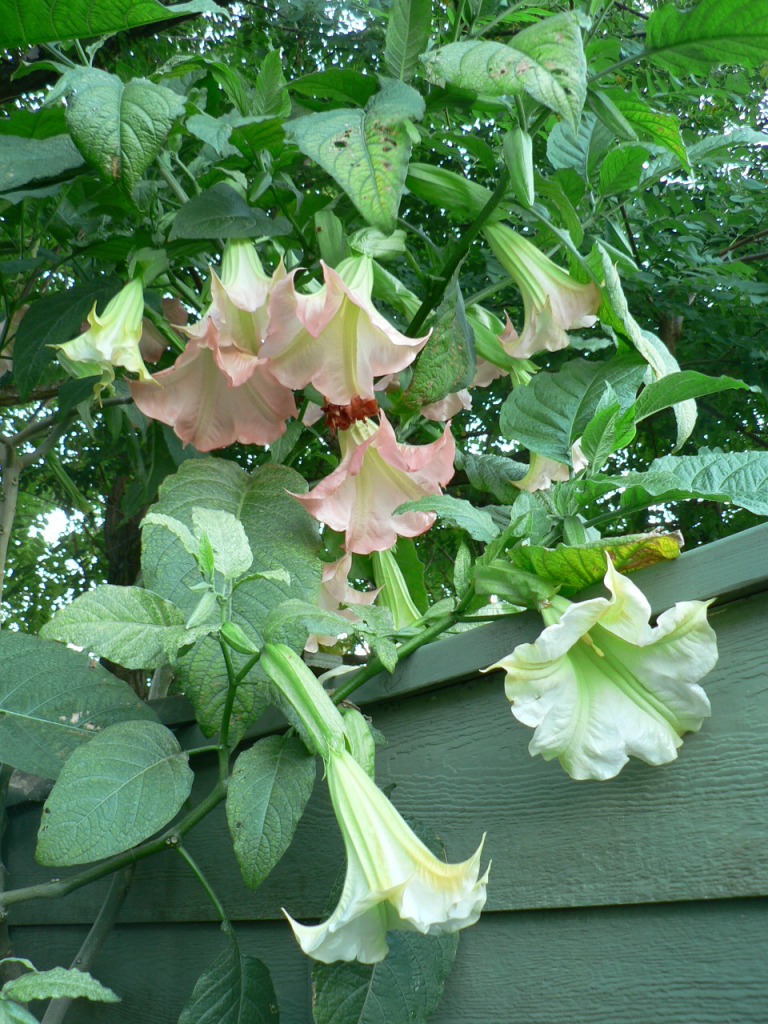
(553, 301)
(543, 472)
(205, 410)
(334, 338)
(377, 475)
(336, 595)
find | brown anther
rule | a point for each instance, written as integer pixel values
(341, 417)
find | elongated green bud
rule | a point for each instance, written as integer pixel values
(394, 590)
(237, 639)
(304, 701)
(518, 154)
(603, 107)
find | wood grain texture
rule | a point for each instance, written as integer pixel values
(683, 963)
(696, 829)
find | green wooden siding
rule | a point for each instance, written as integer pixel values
(630, 901)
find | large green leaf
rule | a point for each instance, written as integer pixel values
(235, 989)
(579, 150)
(576, 568)
(282, 536)
(35, 159)
(403, 989)
(712, 33)
(546, 60)
(447, 362)
(408, 29)
(54, 320)
(494, 474)
(220, 212)
(365, 151)
(113, 793)
(118, 127)
(550, 414)
(53, 700)
(269, 789)
(679, 387)
(738, 477)
(58, 983)
(130, 626)
(31, 22)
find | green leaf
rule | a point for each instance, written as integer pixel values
(737, 477)
(119, 128)
(131, 626)
(447, 362)
(546, 61)
(14, 1013)
(268, 791)
(663, 129)
(27, 160)
(270, 96)
(403, 989)
(366, 152)
(408, 30)
(31, 22)
(494, 474)
(551, 413)
(220, 212)
(477, 522)
(113, 793)
(579, 150)
(576, 568)
(53, 320)
(232, 555)
(609, 430)
(235, 989)
(621, 169)
(712, 33)
(59, 983)
(284, 620)
(678, 387)
(53, 701)
(281, 536)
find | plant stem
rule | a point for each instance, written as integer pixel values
(374, 666)
(173, 184)
(10, 466)
(95, 939)
(456, 253)
(200, 875)
(226, 714)
(170, 838)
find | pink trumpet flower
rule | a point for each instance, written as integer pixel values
(377, 475)
(554, 302)
(334, 338)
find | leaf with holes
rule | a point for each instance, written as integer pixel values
(365, 151)
(113, 793)
(546, 61)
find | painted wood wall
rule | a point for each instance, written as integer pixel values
(639, 901)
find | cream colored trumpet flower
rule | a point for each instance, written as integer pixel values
(601, 684)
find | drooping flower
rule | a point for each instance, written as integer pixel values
(205, 409)
(601, 684)
(393, 880)
(543, 472)
(220, 389)
(334, 338)
(112, 338)
(553, 301)
(375, 476)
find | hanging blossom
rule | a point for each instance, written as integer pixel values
(334, 338)
(112, 338)
(553, 301)
(220, 389)
(601, 684)
(543, 472)
(375, 476)
(393, 881)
